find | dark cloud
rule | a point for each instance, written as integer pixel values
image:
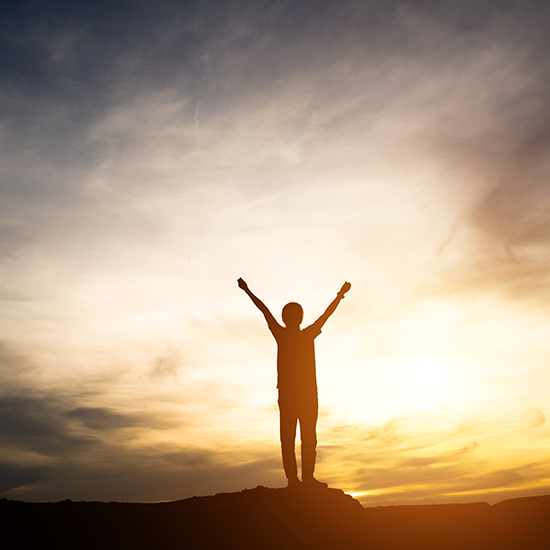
(67, 66)
(39, 425)
(16, 475)
(68, 460)
(102, 418)
(515, 212)
(502, 244)
(113, 475)
(509, 249)
(55, 449)
(92, 58)
(142, 476)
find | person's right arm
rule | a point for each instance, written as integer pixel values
(271, 322)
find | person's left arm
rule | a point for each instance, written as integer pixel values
(332, 306)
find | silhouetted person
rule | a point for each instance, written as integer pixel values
(297, 382)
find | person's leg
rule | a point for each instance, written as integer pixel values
(308, 435)
(288, 421)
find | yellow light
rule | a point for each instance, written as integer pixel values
(428, 381)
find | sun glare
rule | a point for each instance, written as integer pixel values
(396, 386)
(426, 382)
(430, 375)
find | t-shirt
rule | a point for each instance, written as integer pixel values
(296, 375)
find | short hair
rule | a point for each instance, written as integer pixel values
(293, 314)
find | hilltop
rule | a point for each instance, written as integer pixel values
(278, 519)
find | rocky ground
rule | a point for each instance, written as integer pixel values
(263, 518)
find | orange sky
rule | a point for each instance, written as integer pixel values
(149, 162)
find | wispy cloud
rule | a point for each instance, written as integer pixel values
(430, 458)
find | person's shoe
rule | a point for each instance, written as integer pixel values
(311, 482)
(294, 482)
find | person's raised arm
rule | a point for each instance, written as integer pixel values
(258, 303)
(333, 305)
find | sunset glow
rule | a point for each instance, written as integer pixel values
(150, 161)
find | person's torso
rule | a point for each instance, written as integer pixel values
(296, 362)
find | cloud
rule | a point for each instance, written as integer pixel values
(58, 443)
(498, 245)
(50, 449)
(168, 364)
(15, 475)
(37, 424)
(101, 418)
(508, 247)
(148, 476)
(430, 458)
(16, 368)
(422, 461)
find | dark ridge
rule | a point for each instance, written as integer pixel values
(278, 519)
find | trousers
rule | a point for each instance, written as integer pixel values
(304, 411)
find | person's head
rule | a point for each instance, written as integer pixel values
(293, 314)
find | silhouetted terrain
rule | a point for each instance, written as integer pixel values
(277, 518)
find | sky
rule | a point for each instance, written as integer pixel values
(153, 152)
